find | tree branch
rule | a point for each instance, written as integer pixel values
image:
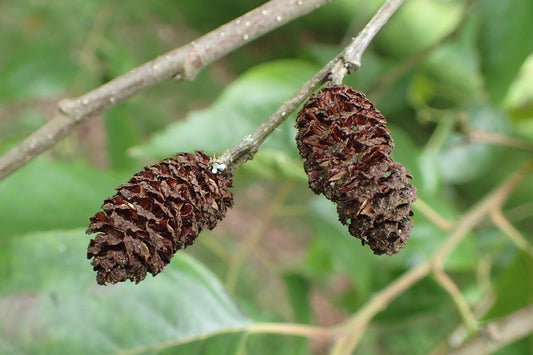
(182, 63)
(510, 231)
(294, 329)
(344, 63)
(432, 215)
(455, 293)
(500, 333)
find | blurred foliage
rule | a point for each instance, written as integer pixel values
(453, 77)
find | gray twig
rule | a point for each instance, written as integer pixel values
(497, 334)
(182, 64)
(346, 62)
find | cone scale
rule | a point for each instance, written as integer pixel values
(347, 149)
(160, 210)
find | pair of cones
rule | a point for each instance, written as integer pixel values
(346, 146)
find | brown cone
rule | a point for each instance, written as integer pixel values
(347, 146)
(160, 210)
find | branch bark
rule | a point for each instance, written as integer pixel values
(500, 333)
(183, 63)
(344, 63)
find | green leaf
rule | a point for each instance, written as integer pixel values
(462, 161)
(299, 289)
(50, 303)
(519, 98)
(514, 288)
(454, 68)
(274, 164)
(48, 194)
(241, 108)
(336, 251)
(418, 24)
(122, 133)
(47, 71)
(426, 239)
(505, 42)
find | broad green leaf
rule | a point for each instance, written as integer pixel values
(44, 73)
(335, 250)
(524, 129)
(40, 46)
(462, 161)
(454, 68)
(50, 303)
(48, 194)
(519, 98)
(299, 288)
(241, 108)
(122, 133)
(514, 288)
(405, 151)
(418, 24)
(506, 39)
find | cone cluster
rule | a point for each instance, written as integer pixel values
(160, 210)
(347, 149)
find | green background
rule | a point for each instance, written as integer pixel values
(280, 255)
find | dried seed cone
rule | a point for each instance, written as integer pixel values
(160, 210)
(347, 146)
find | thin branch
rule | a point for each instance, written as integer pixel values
(455, 293)
(432, 215)
(294, 329)
(500, 333)
(355, 326)
(303, 330)
(499, 139)
(183, 63)
(461, 332)
(346, 62)
(510, 231)
(474, 135)
(353, 53)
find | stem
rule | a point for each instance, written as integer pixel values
(499, 139)
(183, 63)
(290, 329)
(510, 231)
(353, 53)
(432, 215)
(295, 329)
(344, 63)
(455, 293)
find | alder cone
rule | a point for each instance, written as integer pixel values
(347, 149)
(160, 210)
